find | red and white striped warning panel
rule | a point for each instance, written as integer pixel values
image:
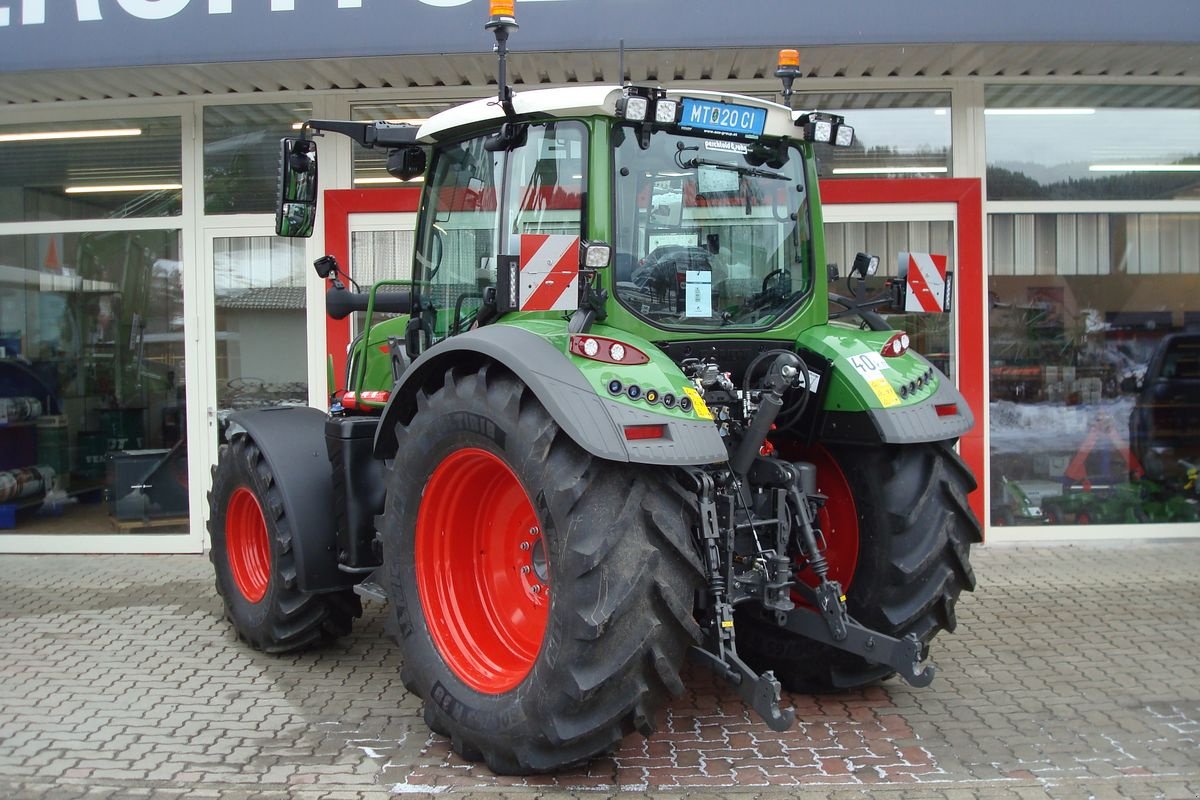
(549, 269)
(926, 281)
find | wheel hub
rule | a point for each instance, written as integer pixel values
(483, 574)
(247, 544)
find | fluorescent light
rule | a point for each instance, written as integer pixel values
(43, 136)
(417, 179)
(126, 187)
(1038, 112)
(886, 170)
(1144, 168)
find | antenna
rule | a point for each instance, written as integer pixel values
(621, 61)
(501, 22)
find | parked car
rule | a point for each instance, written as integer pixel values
(1165, 424)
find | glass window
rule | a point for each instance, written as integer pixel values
(1082, 142)
(260, 316)
(1093, 321)
(896, 134)
(96, 169)
(92, 395)
(459, 241)
(710, 233)
(241, 155)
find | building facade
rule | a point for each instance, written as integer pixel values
(143, 295)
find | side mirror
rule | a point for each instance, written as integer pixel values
(296, 210)
(406, 163)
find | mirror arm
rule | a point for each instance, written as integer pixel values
(368, 134)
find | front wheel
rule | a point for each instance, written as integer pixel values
(542, 597)
(899, 533)
(254, 563)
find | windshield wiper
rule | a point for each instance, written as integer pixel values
(753, 172)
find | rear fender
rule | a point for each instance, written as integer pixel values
(594, 421)
(871, 399)
(292, 440)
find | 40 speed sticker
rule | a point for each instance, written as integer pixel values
(871, 367)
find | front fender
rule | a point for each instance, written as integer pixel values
(292, 440)
(594, 422)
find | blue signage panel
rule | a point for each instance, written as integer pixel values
(705, 115)
(70, 34)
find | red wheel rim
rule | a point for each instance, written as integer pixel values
(247, 544)
(837, 519)
(482, 572)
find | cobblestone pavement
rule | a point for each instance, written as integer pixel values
(1074, 674)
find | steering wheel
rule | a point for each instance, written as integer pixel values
(767, 278)
(665, 262)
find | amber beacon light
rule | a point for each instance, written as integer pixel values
(787, 71)
(502, 13)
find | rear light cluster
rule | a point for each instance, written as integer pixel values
(916, 384)
(651, 396)
(895, 346)
(609, 351)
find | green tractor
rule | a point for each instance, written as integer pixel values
(609, 425)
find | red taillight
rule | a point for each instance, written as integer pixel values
(895, 346)
(610, 351)
(637, 432)
(946, 409)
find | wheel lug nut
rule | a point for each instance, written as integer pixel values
(536, 588)
(524, 545)
(535, 530)
(525, 570)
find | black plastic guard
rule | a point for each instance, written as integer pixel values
(292, 440)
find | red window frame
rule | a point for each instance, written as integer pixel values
(339, 205)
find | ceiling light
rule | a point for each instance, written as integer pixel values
(1038, 112)
(127, 187)
(44, 136)
(1144, 168)
(886, 170)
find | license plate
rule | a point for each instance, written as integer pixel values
(726, 118)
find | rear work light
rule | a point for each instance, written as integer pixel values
(610, 351)
(895, 346)
(825, 129)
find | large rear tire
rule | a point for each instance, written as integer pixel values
(254, 563)
(542, 597)
(902, 552)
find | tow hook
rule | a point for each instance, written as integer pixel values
(760, 692)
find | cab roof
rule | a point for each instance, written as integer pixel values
(585, 101)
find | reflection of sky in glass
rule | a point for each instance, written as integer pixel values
(1052, 148)
(903, 129)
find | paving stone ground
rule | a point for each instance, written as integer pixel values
(1074, 674)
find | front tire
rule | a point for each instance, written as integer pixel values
(254, 563)
(899, 534)
(542, 597)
